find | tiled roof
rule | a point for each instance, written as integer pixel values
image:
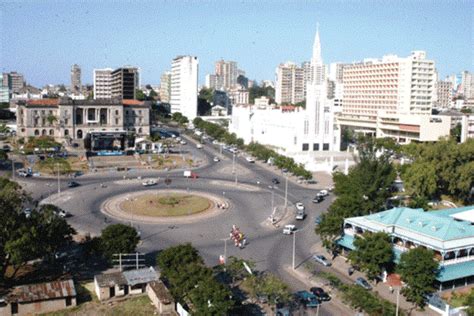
(43, 102)
(440, 226)
(42, 291)
(128, 102)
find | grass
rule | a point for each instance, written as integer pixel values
(130, 306)
(170, 161)
(66, 165)
(159, 204)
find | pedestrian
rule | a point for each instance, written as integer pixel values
(391, 289)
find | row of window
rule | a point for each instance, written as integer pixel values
(316, 147)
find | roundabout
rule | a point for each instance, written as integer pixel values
(165, 206)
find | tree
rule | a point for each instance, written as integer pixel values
(301, 104)
(153, 95)
(418, 269)
(456, 132)
(420, 179)
(206, 94)
(236, 269)
(119, 238)
(51, 119)
(209, 297)
(469, 302)
(140, 95)
(373, 253)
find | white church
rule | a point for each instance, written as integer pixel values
(302, 134)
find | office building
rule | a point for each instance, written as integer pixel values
(76, 85)
(227, 71)
(125, 82)
(444, 94)
(184, 86)
(467, 85)
(165, 87)
(103, 83)
(212, 81)
(449, 233)
(290, 84)
(16, 82)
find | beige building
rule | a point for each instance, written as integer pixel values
(165, 87)
(73, 119)
(290, 84)
(103, 83)
(444, 94)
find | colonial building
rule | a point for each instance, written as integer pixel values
(73, 119)
(449, 233)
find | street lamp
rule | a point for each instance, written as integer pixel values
(233, 163)
(286, 190)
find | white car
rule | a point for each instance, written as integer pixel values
(183, 142)
(250, 159)
(289, 229)
(216, 159)
(323, 193)
(199, 146)
(299, 206)
(149, 183)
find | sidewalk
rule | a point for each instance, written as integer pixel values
(340, 265)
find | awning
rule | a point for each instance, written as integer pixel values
(346, 241)
(456, 271)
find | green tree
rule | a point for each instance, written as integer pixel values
(139, 95)
(51, 119)
(455, 132)
(153, 95)
(469, 302)
(210, 297)
(206, 94)
(3, 155)
(118, 238)
(420, 179)
(236, 269)
(373, 253)
(418, 269)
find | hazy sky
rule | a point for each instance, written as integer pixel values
(42, 39)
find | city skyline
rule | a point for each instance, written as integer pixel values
(259, 36)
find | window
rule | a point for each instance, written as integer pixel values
(326, 146)
(116, 112)
(315, 147)
(66, 132)
(116, 121)
(305, 147)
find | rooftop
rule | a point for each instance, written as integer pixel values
(42, 291)
(140, 276)
(110, 279)
(161, 292)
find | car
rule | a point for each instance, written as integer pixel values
(330, 188)
(320, 294)
(299, 206)
(307, 298)
(183, 142)
(311, 181)
(27, 212)
(289, 229)
(178, 139)
(149, 183)
(250, 159)
(284, 170)
(73, 184)
(363, 283)
(322, 260)
(6, 148)
(216, 159)
(318, 220)
(323, 193)
(199, 146)
(300, 215)
(318, 199)
(77, 174)
(275, 181)
(75, 145)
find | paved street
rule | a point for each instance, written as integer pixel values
(251, 207)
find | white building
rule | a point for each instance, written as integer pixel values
(184, 86)
(238, 95)
(467, 85)
(290, 84)
(392, 89)
(103, 83)
(165, 87)
(291, 130)
(467, 127)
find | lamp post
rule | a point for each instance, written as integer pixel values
(398, 300)
(233, 163)
(286, 190)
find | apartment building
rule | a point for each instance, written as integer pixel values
(444, 94)
(76, 85)
(184, 86)
(125, 82)
(165, 87)
(290, 84)
(103, 83)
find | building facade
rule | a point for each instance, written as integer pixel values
(16, 82)
(449, 233)
(467, 127)
(103, 83)
(467, 85)
(165, 87)
(66, 118)
(226, 73)
(184, 86)
(76, 85)
(125, 82)
(444, 94)
(290, 84)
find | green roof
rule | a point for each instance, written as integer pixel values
(436, 224)
(346, 241)
(456, 271)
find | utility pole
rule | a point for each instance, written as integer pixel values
(233, 163)
(294, 246)
(59, 184)
(398, 300)
(286, 190)
(272, 200)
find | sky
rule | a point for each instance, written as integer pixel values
(43, 38)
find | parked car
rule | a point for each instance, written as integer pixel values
(284, 170)
(322, 260)
(318, 220)
(320, 294)
(250, 159)
(149, 183)
(307, 298)
(289, 229)
(275, 181)
(299, 206)
(318, 199)
(183, 142)
(323, 193)
(72, 184)
(23, 173)
(300, 215)
(216, 159)
(363, 283)
(311, 181)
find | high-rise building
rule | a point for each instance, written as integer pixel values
(4, 91)
(467, 85)
(290, 84)
(444, 94)
(16, 82)
(165, 87)
(103, 83)
(211, 81)
(184, 86)
(125, 82)
(228, 72)
(76, 85)
(336, 71)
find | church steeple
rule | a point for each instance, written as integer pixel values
(317, 59)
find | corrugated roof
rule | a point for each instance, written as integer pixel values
(110, 279)
(42, 291)
(140, 276)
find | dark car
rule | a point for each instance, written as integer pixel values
(318, 199)
(307, 298)
(73, 184)
(275, 181)
(320, 294)
(363, 283)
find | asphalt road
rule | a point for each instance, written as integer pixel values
(267, 246)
